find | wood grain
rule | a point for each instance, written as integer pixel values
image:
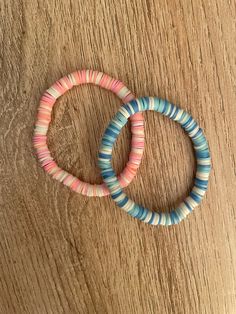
(61, 252)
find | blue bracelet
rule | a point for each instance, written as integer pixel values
(201, 152)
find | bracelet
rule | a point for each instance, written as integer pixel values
(44, 117)
(201, 150)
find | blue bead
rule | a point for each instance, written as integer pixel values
(186, 203)
(152, 218)
(127, 108)
(104, 156)
(134, 105)
(174, 217)
(117, 194)
(196, 197)
(123, 202)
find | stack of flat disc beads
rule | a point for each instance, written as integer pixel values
(131, 109)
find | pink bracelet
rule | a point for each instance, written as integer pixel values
(44, 117)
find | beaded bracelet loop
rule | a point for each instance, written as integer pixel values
(44, 117)
(201, 152)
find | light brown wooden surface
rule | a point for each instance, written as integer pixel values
(61, 252)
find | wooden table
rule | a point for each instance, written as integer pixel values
(61, 252)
